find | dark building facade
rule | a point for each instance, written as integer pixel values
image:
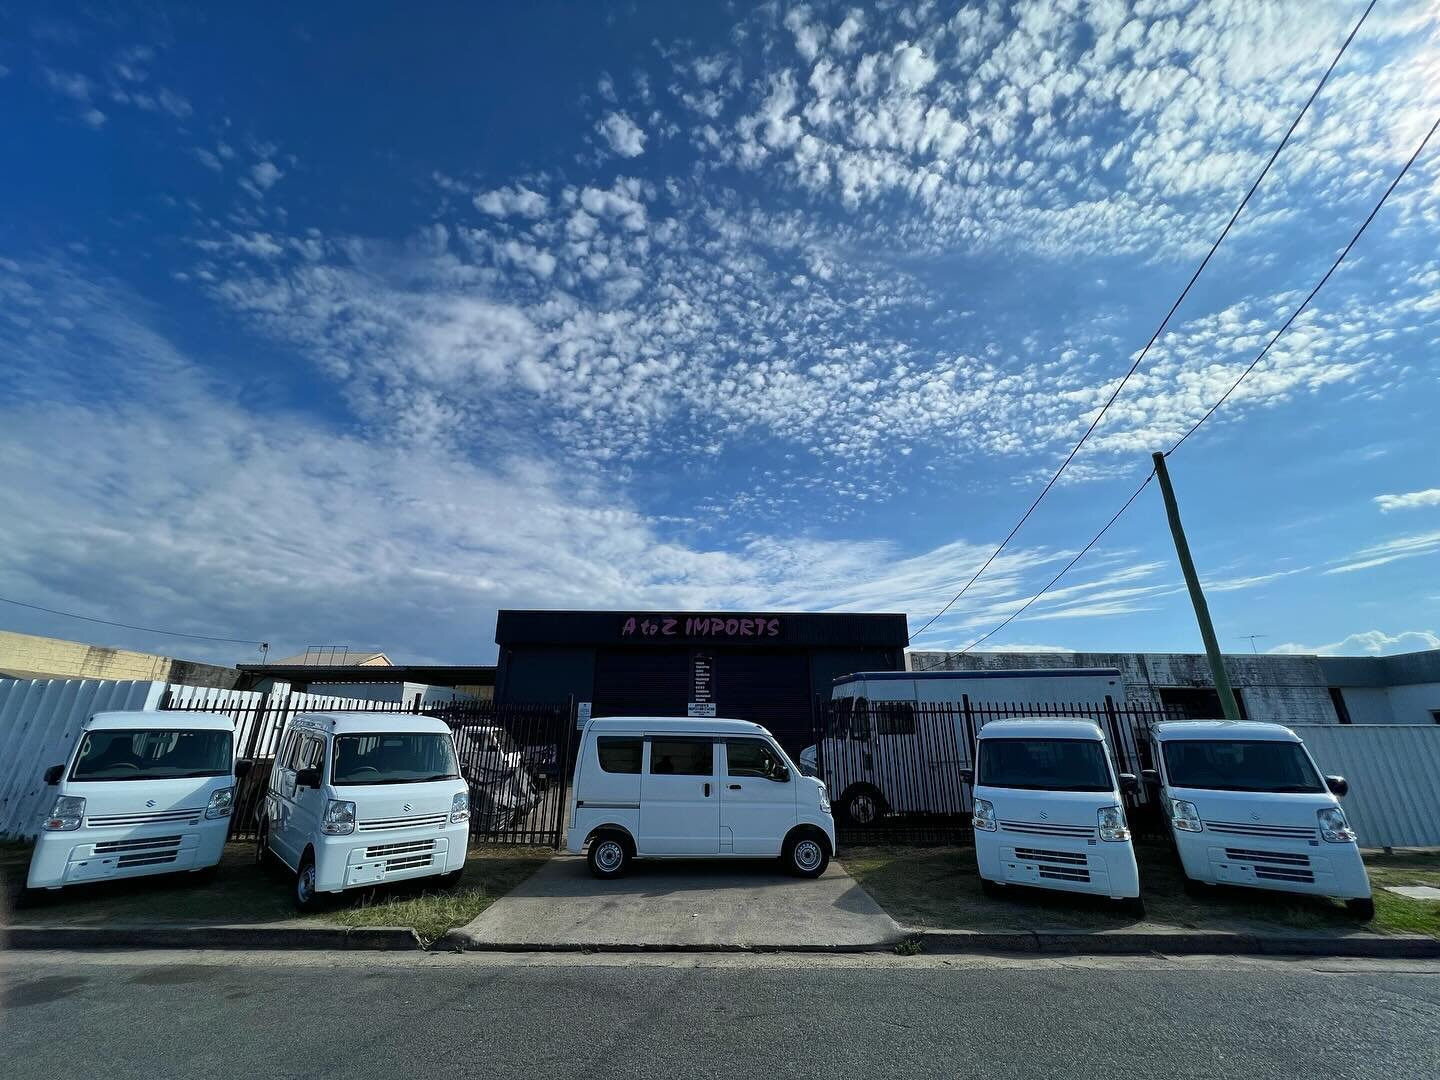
(768, 667)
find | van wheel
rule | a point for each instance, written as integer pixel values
(863, 806)
(1196, 890)
(307, 896)
(991, 888)
(1363, 909)
(609, 855)
(450, 880)
(807, 855)
(264, 858)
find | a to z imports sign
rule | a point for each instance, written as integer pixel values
(708, 627)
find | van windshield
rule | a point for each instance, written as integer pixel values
(1233, 765)
(152, 755)
(381, 758)
(1044, 765)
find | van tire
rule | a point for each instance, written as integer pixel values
(991, 888)
(1363, 908)
(450, 880)
(609, 855)
(807, 853)
(863, 805)
(1196, 890)
(307, 896)
(264, 858)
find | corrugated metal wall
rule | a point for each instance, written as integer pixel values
(40, 720)
(1394, 774)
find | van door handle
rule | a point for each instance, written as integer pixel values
(707, 791)
(734, 787)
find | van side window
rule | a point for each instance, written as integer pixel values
(751, 757)
(286, 758)
(682, 757)
(619, 754)
(860, 720)
(311, 754)
(894, 717)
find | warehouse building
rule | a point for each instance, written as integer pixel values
(768, 667)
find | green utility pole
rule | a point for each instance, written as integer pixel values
(1197, 596)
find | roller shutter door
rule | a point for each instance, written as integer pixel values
(641, 683)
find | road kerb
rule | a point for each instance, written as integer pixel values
(256, 938)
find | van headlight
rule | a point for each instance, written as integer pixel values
(1334, 827)
(66, 815)
(1184, 816)
(983, 816)
(222, 802)
(1112, 824)
(460, 808)
(824, 800)
(339, 819)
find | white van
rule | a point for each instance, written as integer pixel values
(1247, 806)
(141, 793)
(898, 737)
(1048, 810)
(648, 787)
(359, 799)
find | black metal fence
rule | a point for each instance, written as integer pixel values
(516, 759)
(894, 768)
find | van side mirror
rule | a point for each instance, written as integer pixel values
(308, 778)
(53, 774)
(1128, 782)
(968, 775)
(243, 767)
(782, 774)
(1338, 785)
(1150, 777)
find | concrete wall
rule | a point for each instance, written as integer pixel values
(1401, 689)
(1288, 689)
(1392, 704)
(26, 655)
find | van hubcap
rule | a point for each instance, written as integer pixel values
(305, 884)
(609, 855)
(807, 855)
(863, 810)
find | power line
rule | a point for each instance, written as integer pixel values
(128, 626)
(1211, 411)
(1159, 329)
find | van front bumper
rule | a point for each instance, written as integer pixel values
(90, 854)
(1102, 867)
(1315, 868)
(357, 860)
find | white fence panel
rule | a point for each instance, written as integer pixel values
(1394, 774)
(39, 721)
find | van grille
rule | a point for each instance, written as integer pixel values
(1045, 828)
(380, 851)
(419, 821)
(158, 817)
(155, 858)
(1240, 828)
(407, 862)
(1275, 865)
(1056, 865)
(113, 847)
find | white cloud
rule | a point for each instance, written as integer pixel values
(1369, 643)
(624, 136)
(208, 159)
(1409, 501)
(518, 200)
(1388, 551)
(265, 174)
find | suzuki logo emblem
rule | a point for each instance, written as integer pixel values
(1254, 816)
(1044, 815)
(149, 802)
(408, 807)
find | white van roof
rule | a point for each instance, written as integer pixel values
(1040, 727)
(162, 719)
(673, 725)
(1253, 730)
(368, 722)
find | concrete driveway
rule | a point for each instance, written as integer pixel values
(682, 904)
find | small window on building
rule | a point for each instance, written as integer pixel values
(619, 754)
(1197, 703)
(1342, 711)
(682, 757)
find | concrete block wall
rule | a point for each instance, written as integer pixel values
(1286, 689)
(28, 654)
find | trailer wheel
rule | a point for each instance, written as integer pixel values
(863, 805)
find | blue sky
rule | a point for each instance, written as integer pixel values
(353, 328)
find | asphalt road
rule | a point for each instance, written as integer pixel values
(377, 1017)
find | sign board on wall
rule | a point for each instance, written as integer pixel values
(582, 713)
(700, 708)
(705, 627)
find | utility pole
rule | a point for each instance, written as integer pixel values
(1197, 595)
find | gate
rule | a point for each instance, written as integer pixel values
(894, 768)
(516, 759)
